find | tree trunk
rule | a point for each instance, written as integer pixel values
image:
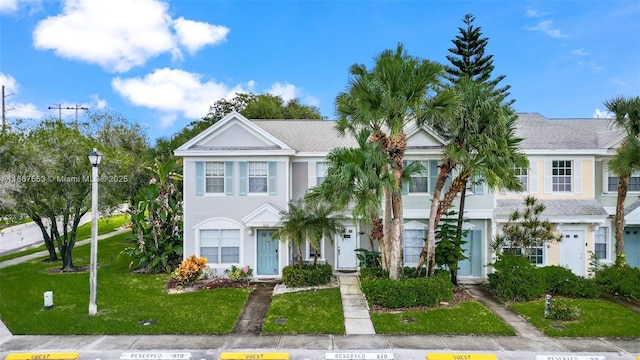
(623, 184)
(458, 239)
(457, 186)
(377, 233)
(385, 253)
(428, 251)
(395, 266)
(48, 239)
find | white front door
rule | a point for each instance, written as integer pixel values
(346, 246)
(572, 252)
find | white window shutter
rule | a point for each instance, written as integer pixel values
(577, 176)
(548, 176)
(533, 177)
(313, 181)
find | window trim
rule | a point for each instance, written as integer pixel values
(412, 226)
(607, 242)
(321, 165)
(223, 177)
(220, 223)
(571, 169)
(307, 253)
(609, 175)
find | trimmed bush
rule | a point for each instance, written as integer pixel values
(561, 281)
(562, 309)
(306, 275)
(515, 279)
(373, 273)
(405, 293)
(620, 281)
(410, 272)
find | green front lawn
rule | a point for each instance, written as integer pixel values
(306, 312)
(124, 300)
(466, 318)
(599, 318)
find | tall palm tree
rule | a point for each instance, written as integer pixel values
(385, 99)
(481, 143)
(626, 160)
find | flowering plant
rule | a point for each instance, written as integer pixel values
(190, 269)
(239, 273)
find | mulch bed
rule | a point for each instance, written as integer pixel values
(175, 286)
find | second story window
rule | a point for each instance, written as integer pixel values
(258, 174)
(523, 176)
(561, 175)
(634, 182)
(214, 177)
(420, 182)
(321, 172)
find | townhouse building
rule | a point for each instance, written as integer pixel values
(241, 174)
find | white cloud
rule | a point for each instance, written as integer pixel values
(602, 114)
(98, 103)
(579, 52)
(531, 12)
(289, 92)
(194, 35)
(119, 34)
(8, 6)
(174, 91)
(546, 26)
(286, 91)
(10, 84)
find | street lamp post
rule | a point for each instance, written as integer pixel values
(94, 159)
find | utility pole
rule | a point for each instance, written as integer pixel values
(59, 108)
(4, 115)
(4, 112)
(76, 108)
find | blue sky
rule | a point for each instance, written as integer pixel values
(163, 63)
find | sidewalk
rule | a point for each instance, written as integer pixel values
(356, 311)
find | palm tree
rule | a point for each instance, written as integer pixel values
(322, 223)
(357, 178)
(293, 227)
(482, 144)
(384, 99)
(626, 160)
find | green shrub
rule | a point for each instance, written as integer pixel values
(306, 275)
(239, 273)
(561, 281)
(406, 293)
(562, 309)
(620, 281)
(410, 272)
(515, 279)
(373, 273)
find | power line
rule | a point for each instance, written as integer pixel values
(4, 111)
(76, 108)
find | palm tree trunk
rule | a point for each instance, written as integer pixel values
(395, 261)
(458, 239)
(623, 185)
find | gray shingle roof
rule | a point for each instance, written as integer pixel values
(631, 208)
(539, 132)
(307, 135)
(554, 208)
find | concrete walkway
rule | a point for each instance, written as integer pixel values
(356, 311)
(40, 254)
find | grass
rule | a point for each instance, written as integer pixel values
(306, 312)
(105, 226)
(123, 299)
(599, 318)
(466, 318)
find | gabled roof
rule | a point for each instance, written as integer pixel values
(266, 215)
(565, 210)
(236, 133)
(632, 214)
